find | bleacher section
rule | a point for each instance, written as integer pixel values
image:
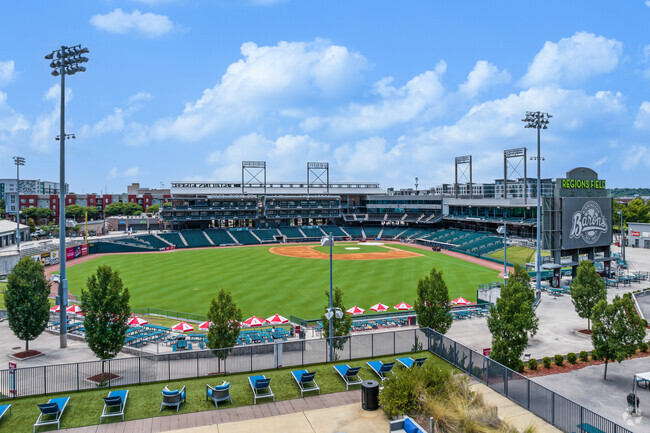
(220, 237)
(313, 232)
(266, 235)
(355, 232)
(195, 238)
(153, 241)
(244, 237)
(372, 232)
(335, 230)
(173, 238)
(390, 232)
(292, 232)
(410, 233)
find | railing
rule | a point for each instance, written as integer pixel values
(169, 313)
(553, 408)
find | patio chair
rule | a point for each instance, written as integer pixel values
(380, 368)
(350, 375)
(261, 387)
(218, 393)
(3, 410)
(305, 381)
(173, 398)
(407, 424)
(52, 411)
(409, 362)
(114, 404)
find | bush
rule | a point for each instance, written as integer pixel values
(643, 346)
(547, 362)
(571, 357)
(594, 355)
(519, 366)
(584, 356)
(559, 360)
(532, 364)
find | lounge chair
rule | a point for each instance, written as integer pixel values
(261, 387)
(114, 404)
(3, 410)
(305, 381)
(350, 375)
(173, 398)
(51, 412)
(218, 393)
(380, 368)
(406, 425)
(409, 362)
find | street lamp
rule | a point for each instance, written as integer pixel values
(620, 212)
(539, 121)
(65, 61)
(331, 312)
(18, 160)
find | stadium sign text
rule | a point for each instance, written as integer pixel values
(583, 184)
(588, 223)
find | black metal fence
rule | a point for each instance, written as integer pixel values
(555, 409)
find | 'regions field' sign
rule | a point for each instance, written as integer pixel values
(582, 184)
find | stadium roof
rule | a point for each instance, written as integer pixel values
(273, 188)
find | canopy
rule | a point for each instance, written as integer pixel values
(182, 327)
(356, 310)
(205, 325)
(56, 308)
(461, 301)
(74, 309)
(137, 321)
(254, 321)
(379, 307)
(403, 306)
(277, 319)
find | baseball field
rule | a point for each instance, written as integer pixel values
(265, 280)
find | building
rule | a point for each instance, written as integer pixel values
(27, 186)
(638, 235)
(8, 233)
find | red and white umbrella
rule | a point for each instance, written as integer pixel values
(277, 320)
(356, 310)
(254, 321)
(461, 301)
(403, 306)
(137, 321)
(56, 308)
(74, 309)
(183, 327)
(205, 325)
(379, 307)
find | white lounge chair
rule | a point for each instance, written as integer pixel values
(350, 375)
(305, 381)
(114, 404)
(261, 387)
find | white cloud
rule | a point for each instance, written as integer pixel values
(642, 120)
(647, 3)
(129, 172)
(139, 97)
(11, 122)
(7, 72)
(116, 121)
(481, 77)
(118, 21)
(573, 60)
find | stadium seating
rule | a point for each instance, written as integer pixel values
(391, 232)
(153, 241)
(244, 237)
(220, 237)
(372, 232)
(410, 233)
(266, 235)
(195, 238)
(355, 232)
(292, 232)
(173, 238)
(335, 230)
(313, 232)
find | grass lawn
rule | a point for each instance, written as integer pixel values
(517, 255)
(144, 400)
(263, 283)
(341, 248)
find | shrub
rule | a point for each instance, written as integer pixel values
(584, 356)
(519, 366)
(594, 355)
(532, 364)
(643, 346)
(571, 357)
(559, 360)
(547, 362)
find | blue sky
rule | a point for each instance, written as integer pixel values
(385, 91)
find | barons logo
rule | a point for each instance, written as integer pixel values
(588, 223)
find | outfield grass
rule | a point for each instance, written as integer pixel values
(263, 283)
(341, 248)
(144, 400)
(517, 255)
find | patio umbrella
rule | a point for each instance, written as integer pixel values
(254, 321)
(403, 306)
(379, 307)
(137, 321)
(183, 327)
(356, 310)
(277, 320)
(461, 301)
(56, 308)
(205, 325)
(74, 309)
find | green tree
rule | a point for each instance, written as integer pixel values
(154, 208)
(2, 207)
(432, 304)
(28, 212)
(587, 289)
(43, 214)
(92, 212)
(224, 330)
(31, 225)
(105, 304)
(512, 320)
(74, 211)
(617, 330)
(114, 209)
(341, 326)
(26, 300)
(132, 209)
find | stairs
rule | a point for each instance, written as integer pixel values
(163, 240)
(255, 236)
(207, 237)
(183, 239)
(302, 233)
(232, 237)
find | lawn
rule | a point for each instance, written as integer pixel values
(517, 255)
(263, 283)
(144, 400)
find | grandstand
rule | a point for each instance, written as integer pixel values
(313, 232)
(173, 238)
(372, 232)
(195, 238)
(391, 232)
(266, 235)
(335, 230)
(355, 232)
(292, 233)
(244, 237)
(220, 237)
(153, 241)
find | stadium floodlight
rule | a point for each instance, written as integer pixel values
(538, 120)
(18, 160)
(67, 63)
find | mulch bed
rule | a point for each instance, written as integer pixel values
(107, 376)
(566, 367)
(585, 331)
(25, 355)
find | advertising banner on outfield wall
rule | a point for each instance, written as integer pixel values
(47, 259)
(586, 222)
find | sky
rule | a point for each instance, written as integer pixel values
(384, 91)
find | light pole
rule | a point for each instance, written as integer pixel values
(68, 62)
(18, 160)
(539, 121)
(331, 311)
(620, 212)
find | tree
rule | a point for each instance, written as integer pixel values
(341, 326)
(132, 209)
(224, 330)
(74, 211)
(31, 225)
(2, 207)
(587, 289)
(154, 208)
(617, 330)
(26, 300)
(512, 320)
(123, 209)
(43, 213)
(92, 212)
(105, 304)
(432, 304)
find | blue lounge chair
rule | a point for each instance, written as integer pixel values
(305, 381)
(173, 398)
(409, 362)
(380, 368)
(51, 412)
(3, 410)
(350, 375)
(114, 404)
(261, 387)
(218, 393)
